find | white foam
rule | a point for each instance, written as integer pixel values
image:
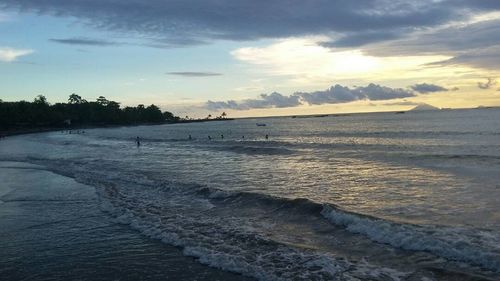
(476, 247)
(228, 243)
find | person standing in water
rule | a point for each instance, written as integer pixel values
(267, 136)
(138, 141)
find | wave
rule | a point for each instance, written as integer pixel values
(253, 149)
(477, 247)
(227, 242)
(465, 157)
(480, 248)
(224, 229)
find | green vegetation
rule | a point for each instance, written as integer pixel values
(76, 113)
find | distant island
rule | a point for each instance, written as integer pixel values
(39, 115)
(424, 107)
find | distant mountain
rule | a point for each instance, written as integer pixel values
(424, 107)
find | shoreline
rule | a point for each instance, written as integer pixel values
(25, 131)
(50, 223)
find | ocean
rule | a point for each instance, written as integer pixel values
(375, 196)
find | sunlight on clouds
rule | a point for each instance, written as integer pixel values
(10, 54)
(306, 61)
(304, 57)
(484, 17)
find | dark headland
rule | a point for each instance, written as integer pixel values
(23, 117)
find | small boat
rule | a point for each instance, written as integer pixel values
(260, 124)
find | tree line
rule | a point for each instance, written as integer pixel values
(77, 112)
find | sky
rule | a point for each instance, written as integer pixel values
(253, 57)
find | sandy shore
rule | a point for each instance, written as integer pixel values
(51, 228)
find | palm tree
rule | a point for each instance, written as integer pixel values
(223, 115)
(209, 116)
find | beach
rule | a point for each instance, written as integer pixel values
(361, 197)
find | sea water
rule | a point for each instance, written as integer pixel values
(378, 196)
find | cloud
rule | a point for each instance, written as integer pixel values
(342, 94)
(195, 74)
(464, 32)
(425, 88)
(9, 54)
(490, 83)
(487, 58)
(304, 59)
(169, 43)
(475, 43)
(355, 22)
(473, 35)
(356, 39)
(333, 95)
(85, 42)
(273, 100)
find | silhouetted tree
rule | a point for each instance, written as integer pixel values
(102, 101)
(23, 114)
(75, 99)
(168, 116)
(40, 100)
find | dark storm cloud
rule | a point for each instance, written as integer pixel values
(490, 83)
(425, 88)
(85, 42)
(187, 22)
(194, 74)
(333, 95)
